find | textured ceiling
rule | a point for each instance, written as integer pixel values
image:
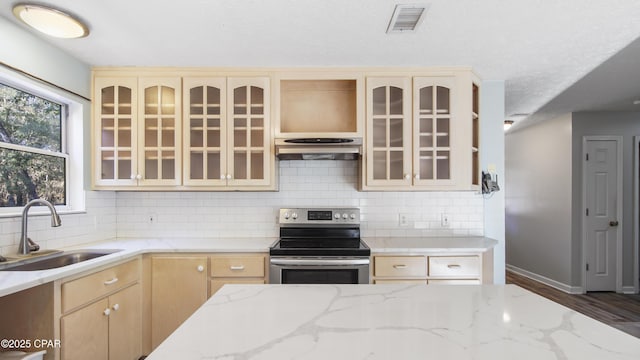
(540, 48)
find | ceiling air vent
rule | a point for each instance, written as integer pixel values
(406, 18)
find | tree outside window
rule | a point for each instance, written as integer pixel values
(33, 157)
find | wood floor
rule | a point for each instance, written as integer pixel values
(618, 310)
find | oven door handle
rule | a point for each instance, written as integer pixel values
(319, 262)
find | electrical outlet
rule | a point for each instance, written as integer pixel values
(444, 220)
(152, 218)
(403, 220)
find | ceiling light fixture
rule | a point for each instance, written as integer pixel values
(406, 18)
(507, 124)
(50, 21)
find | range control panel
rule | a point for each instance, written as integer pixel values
(319, 216)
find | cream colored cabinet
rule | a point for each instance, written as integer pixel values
(101, 315)
(137, 132)
(452, 269)
(178, 288)
(399, 269)
(455, 270)
(237, 269)
(419, 136)
(227, 133)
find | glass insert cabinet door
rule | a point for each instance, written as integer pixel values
(205, 126)
(160, 132)
(248, 140)
(434, 129)
(388, 131)
(115, 131)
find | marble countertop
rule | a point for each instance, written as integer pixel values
(14, 281)
(423, 245)
(305, 322)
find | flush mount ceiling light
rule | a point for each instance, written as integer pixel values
(406, 18)
(50, 21)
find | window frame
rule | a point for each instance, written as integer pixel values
(73, 110)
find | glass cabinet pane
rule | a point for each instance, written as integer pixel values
(379, 101)
(248, 135)
(115, 132)
(387, 133)
(435, 133)
(205, 106)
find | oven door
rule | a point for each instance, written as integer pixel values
(318, 270)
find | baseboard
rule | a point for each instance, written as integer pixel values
(545, 280)
(628, 290)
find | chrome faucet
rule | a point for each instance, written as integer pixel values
(27, 245)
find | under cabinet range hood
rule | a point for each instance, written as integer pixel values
(319, 148)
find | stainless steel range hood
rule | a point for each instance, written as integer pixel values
(319, 148)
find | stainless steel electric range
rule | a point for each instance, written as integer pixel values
(319, 246)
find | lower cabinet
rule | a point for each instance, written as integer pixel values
(457, 269)
(237, 269)
(108, 325)
(178, 289)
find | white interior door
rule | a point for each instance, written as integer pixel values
(602, 214)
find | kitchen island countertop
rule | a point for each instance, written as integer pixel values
(391, 322)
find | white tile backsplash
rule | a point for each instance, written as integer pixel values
(97, 223)
(247, 214)
(302, 184)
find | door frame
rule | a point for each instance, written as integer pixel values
(619, 209)
(636, 213)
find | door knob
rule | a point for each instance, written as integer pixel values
(613, 223)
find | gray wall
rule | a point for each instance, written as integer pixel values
(25, 51)
(627, 125)
(538, 200)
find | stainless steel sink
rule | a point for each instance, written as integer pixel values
(55, 260)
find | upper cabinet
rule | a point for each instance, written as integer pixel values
(227, 133)
(422, 133)
(182, 132)
(137, 132)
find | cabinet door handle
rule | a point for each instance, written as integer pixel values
(106, 312)
(200, 268)
(116, 307)
(236, 267)
(454, 266)
(400, 266)
(614, 223)
(112, 281)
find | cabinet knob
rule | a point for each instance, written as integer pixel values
(116, 307)
(200, 268)
(417, 177)
(407, 176)
(106, 312)
(222, 177)
(229, 176)
(138, 177)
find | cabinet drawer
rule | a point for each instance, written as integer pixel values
(400, 266)
(414, 282)
(454, 282)
(216, 284)
(85, 289)
(454, 266)
(237, 266)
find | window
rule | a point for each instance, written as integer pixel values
(32, 154)
(37, 158)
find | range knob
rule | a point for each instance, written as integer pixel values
(294, 216)
(352, 216)
(345, 216)
(336, 216)
(286, 216)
